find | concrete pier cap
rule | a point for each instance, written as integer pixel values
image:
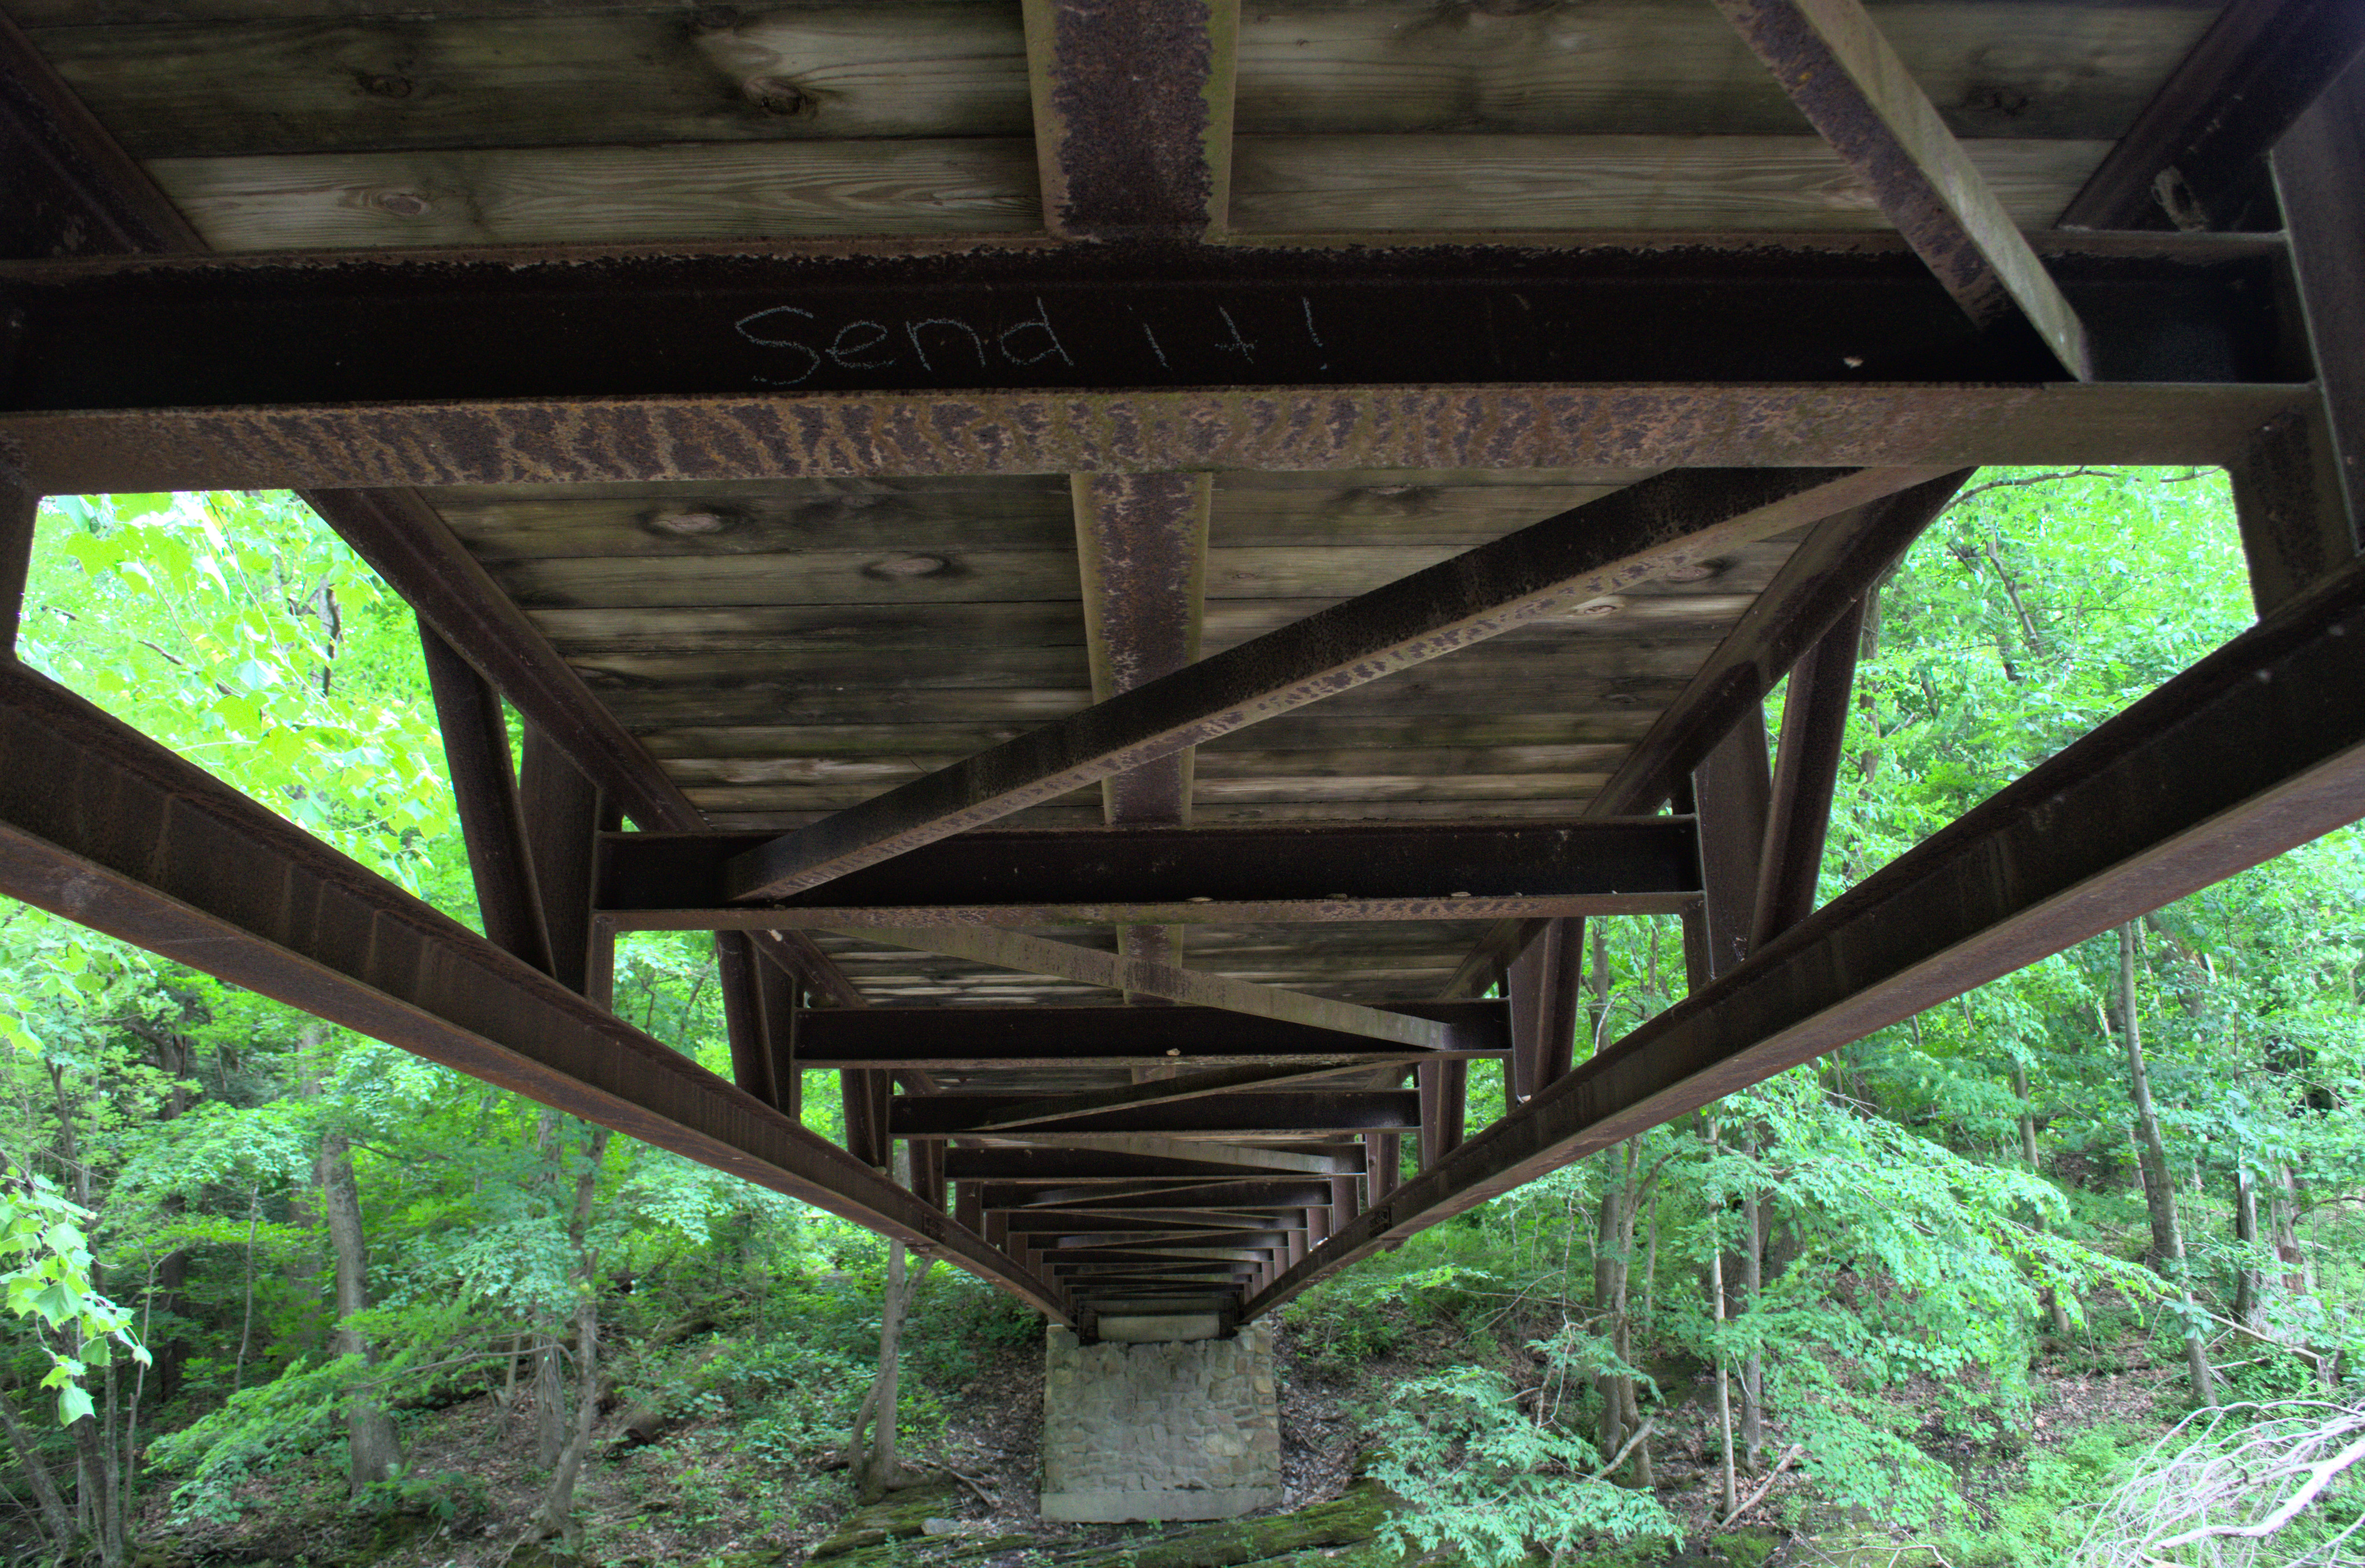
(1167, 1416)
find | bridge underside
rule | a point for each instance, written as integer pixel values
(1148, 677)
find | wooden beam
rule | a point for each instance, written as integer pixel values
(2193, 158)
(1806, 772)
(1133, 115)
(1063, 960)
(1845, 77)
(2256, 749)
(1628, 536)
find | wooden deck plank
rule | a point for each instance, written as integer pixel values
(2007, 70)
(1317, 728)
(365, 84)
(1463, 184)
(606, 195)
(327, 76)
(1357, 184)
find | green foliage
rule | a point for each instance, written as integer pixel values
(49, 1282)
(1488, 1481)
(2040, 1523)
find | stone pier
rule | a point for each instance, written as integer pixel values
(1144, 1426)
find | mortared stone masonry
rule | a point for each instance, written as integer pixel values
(1166, 1430)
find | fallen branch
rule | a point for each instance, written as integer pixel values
(1789, 1456)
(982, 1495)
(2320, 1475)
(1619, 1457)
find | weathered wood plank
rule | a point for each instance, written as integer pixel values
(1453, 184)
(1242, 763)
(328, 75)
(1639, 532)
(1087, 815)
(1496, 183)
(707, 520)
(1388, 510)
(592, 634)
(795, 628)
(375, 84)
(1317, 729)
(1513, 665)
(943, 573)
(2016, 70)
(1405, 695)
(610, 195)
(1263, 788)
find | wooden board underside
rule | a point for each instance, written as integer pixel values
(789, 649)
(1345, 184)
(288, 82)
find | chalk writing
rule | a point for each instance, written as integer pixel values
(801, 344)
(1237, 345)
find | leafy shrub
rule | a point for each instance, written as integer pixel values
(1487, 1481)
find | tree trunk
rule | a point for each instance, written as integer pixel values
(2249, 1280)
(881, 1471)
(1723, 1390)
(1753, 1365)
(555, 1515)
(375, 1449)
(549, 1397)
(2053, 1301)
(56, 1520)
(2282, 1215)
(2168, 1234)
(96, 1470)
(1611, 1269)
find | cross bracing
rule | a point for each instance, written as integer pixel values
(1147, 589)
